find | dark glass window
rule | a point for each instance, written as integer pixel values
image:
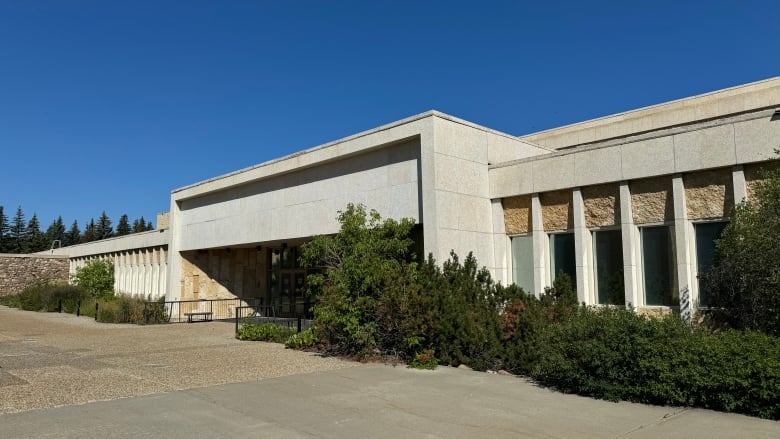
(562, 255)
(706, 235)
(608, 246)
(658, 266)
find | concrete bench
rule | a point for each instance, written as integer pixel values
(198, 316)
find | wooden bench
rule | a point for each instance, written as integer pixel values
(198, 316)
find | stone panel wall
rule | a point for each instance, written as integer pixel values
(223, 274)
(557, 213)
(18, 272)
(651, 200)
(517, 214)
(709, 194)
(602, 205)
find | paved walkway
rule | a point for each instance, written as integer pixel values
(197, 381)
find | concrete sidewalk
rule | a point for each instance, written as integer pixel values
(378, 401)
(63, 376)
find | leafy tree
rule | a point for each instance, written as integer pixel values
(4, 229)
(745, 280)
(103, 227)
(89, 232)
(97, 277)
(73, 235)
(123, 227)
(56, 232)
(18, 232)
(35, 239)
(356, 260)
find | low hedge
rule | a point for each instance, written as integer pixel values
(616, 354)
(264, 332)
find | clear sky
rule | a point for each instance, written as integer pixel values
(110, 105)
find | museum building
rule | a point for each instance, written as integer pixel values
(629, 205)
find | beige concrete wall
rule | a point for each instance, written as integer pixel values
(602, 205)
(761, 94)
(709, 194)
(517, 214)
(557, 213)
(753, 175)
(651, 200)
(163, 220)
(18, 272)
(223, 274)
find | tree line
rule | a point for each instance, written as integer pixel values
(19, 235)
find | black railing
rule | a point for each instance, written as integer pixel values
(267, 314)
(179, 311)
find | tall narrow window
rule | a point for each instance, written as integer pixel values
(658, 266)
(562, 255)
(706, 235)
(608, 247)
(523, 262)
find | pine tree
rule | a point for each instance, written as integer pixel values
(123, 227)
(56, 232)
(89, 231)
(4, 229)
(18, 232)
(35, 240)
(139, 225)
(73, 236)
(149, 225)
(103, 227)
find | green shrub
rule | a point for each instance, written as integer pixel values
(425, 359)
(97, 277)
(264, 332)
(127, 309)
(614, 354)
(304, 339)
(49, 297)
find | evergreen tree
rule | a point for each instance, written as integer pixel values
(4, 229)
(56, 232)
(73, 236)
(89, 231)
(149, 225)
(35, 240)
(103, 227)
(123, 227)
(18, 232)
(139, 225)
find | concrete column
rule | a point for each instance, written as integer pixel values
(541, 279)
(582, 250)
(630, 247)
(738, 181)
(503, 267)
(683, 236)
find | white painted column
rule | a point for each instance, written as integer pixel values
(740, 186)
(540, 246)
(683, 236)
(630, 247)
(582, 250)
(503, 267)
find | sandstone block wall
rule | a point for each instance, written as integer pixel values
(557, 213)
(651, 200)
(18, 272)
(754, 174)
(709, 194)
(223, 274)
(517, 214)
(602, 205)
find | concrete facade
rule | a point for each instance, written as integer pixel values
(624, 199)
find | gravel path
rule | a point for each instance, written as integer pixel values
(50, 360)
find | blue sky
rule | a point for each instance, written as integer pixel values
(111, 105)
